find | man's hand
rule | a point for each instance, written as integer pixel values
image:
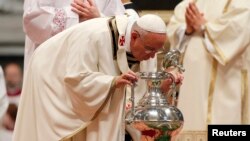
(189, 28)
(178, 78)
(194, 18)
(8, 122)
(86, 10)
(126, 78)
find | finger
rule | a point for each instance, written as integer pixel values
(195, 8)
(134, 74)
(82, 4)
(131, 72)
(187, 18)
(178, 83)
(76, 11)
(91, 2)
(190, 13)
(123, 82)
(79, 7)
(168, 81)
(189, 21)
(83, 13)
(130, 77)
(180, 78)
(126, 81)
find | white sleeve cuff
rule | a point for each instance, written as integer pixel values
(183, 39)
(72, 17)
(208, 44)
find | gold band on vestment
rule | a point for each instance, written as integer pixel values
(245, 97)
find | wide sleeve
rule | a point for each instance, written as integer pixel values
(177, 25)
(89, 87)
(229, 34)
(3, 95)
(110, 7)
(45, 18)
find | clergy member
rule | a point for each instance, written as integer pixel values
(216, 47)
(43, 19)
(77, 78)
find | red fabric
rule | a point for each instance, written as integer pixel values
(17, 92)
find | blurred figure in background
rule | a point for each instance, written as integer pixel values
(43, 19)
(13, 78)
(4, 134)
(216, 47)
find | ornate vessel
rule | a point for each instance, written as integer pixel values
(154, 118)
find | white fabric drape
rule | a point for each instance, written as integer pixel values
(43, 19)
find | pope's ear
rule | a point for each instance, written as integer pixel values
(134, 35)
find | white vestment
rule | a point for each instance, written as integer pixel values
(3, 95)
(3, 105)
(216, 83)
(43, 19)
(69, 81)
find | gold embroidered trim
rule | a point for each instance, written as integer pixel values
(244, 94)
(221, 54)
(79, 134)
(211, 90)
(227, 5)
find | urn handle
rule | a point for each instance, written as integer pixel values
(172, 59)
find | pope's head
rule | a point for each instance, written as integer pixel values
(148, 35)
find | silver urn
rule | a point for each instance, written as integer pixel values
(155, 118)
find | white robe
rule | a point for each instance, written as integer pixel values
(216, 83)
(43, 19)
(3, 105)
(3, 95)
(68, 79)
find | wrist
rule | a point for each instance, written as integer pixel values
(113, 83)
(202, 29)
(189, 31)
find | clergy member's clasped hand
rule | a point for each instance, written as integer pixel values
(127, 78)
(86, 10)
(194, 18)
(189, 28)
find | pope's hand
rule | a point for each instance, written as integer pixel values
(178, 78)
(128, 78)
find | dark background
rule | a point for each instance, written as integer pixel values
(155, 4)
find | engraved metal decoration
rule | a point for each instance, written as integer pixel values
(154, 118)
